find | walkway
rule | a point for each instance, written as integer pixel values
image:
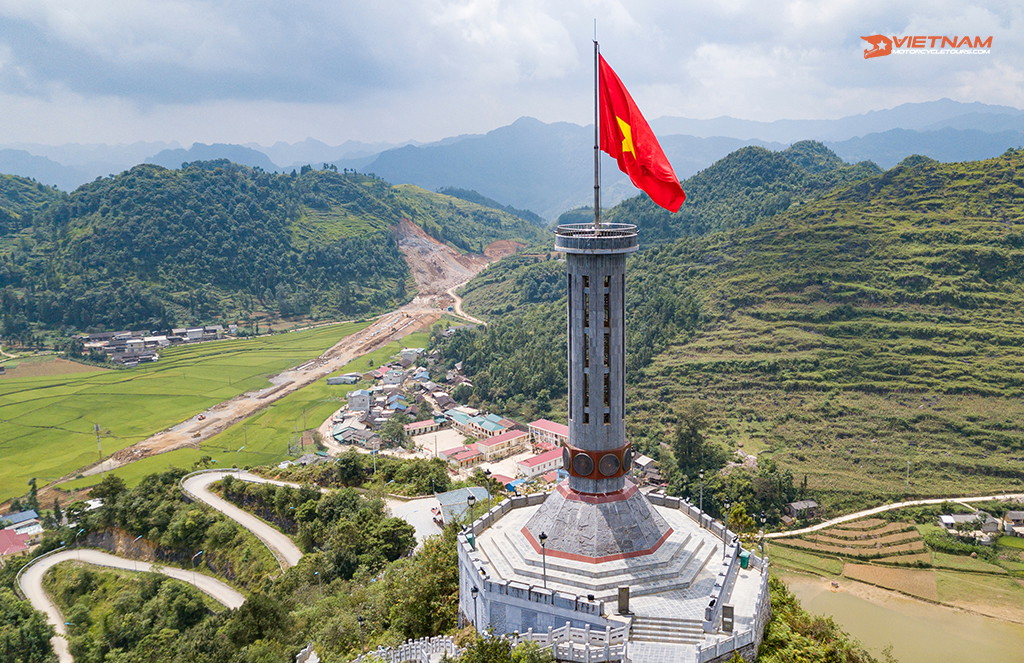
(31, 583)
(889, 507)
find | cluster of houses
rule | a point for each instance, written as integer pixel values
(367, 410)
(133, 347)
(982, 525)
(20, 532)
(404, 386)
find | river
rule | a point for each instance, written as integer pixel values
(918, 632)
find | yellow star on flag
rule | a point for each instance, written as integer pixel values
(627, 136)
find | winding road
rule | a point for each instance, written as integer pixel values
(31, 583)
(889, 507)
(197, 486)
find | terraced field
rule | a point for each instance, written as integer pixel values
(895, 556)
(872, 538)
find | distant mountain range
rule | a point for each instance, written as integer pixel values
(548, 168)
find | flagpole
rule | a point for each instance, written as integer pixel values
(597, 137)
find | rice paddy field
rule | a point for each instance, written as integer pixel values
(47, 421)
(269, 435)
(896, 555)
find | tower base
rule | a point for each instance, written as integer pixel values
(597, 528)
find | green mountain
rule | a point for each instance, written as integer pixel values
(153, 247)
(869, 340)
(21, 199)
(750, 184)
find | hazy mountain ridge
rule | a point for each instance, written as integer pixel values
(548, 168)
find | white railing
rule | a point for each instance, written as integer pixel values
(752, 636)
(581, 645)
(413, 651)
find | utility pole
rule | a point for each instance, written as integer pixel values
(99, 448)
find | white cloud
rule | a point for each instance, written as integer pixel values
(240, 70)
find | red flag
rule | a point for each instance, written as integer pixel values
(627, 137)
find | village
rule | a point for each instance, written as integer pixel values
(405, 413)
(131, 348)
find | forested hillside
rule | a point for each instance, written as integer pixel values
(20, 200)
(216, 241)
(748, 185)
(869, 341)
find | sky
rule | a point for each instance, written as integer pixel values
(240, 71)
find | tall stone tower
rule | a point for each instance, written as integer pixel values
(597, 515)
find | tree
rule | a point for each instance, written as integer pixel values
(688, 444)
(33, 495)
(108, 489)
(58, 515)
(393, 430)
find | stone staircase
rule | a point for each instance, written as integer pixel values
(676, 565)
(666, 630)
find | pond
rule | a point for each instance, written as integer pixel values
(918, 632)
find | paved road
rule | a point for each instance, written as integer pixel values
(889, 507)
(418, 514)
(31, 583)
(415, 511)
(283, 548)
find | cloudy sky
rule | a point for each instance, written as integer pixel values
(120, 71)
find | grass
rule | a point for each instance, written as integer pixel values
(266, 435)
(964, 563)
(47, 421)
(788, 558)
(1000, 592)
(1011, 542)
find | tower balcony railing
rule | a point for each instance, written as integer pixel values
(590, 230)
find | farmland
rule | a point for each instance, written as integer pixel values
(264, 438)
(48, 420)
(913, 558)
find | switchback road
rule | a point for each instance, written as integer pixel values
(31, 584)
(197, 486)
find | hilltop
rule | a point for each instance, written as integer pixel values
(214, 240)
(844, 338)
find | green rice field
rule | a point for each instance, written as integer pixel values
(264, 438)
(46, 421)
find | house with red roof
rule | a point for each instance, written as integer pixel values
(503, 445)
(12, 543)
(548, 434)
(464, 456)
(541, 463)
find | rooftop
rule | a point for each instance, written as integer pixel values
(545, 457)
(551, 427)
(502, 438)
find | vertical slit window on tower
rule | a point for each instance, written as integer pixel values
(607, 399)
(586, 350)
(586, 308)
(607, 310)
(586, 281)
(607, 349)
(607, 281)
(586, 398)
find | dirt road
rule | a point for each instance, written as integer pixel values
(438, 270)
(889, 507)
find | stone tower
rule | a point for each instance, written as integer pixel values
(597, 515)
